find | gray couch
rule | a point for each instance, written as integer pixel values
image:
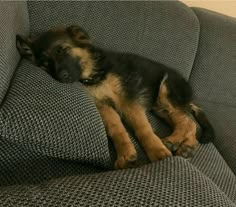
(54, 150)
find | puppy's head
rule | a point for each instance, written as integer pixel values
(66, 53)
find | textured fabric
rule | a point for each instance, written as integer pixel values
(55, 119)
(214, 77)
(214, 72)
(14, 20)
(60, 120)
(20, 166)
(164, 32)
(209, 161)
(41, 119)
(167, 183)
(58, 137)
(223, 118)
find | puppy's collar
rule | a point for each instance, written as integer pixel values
(89, 81)
(97, 78)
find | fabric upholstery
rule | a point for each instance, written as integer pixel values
(223, 118)
(60, 120)
(209, 161)
(55, 119)
(167, 33)
(214, 76)
(53, 146)
(20, 166)
(69, 132)
(167, 183)
(14, 20)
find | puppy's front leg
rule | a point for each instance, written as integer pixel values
(126, 153)
(136, 117)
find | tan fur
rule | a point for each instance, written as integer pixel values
(163, 107)
(163, 98)
(132, 111)
(87, 63)
(125, 150)
(110, 88)
(78, 38)
(184, 128)
(195, 108)
(135, 115)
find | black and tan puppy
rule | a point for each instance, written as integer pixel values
(123, 86)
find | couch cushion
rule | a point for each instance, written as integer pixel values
(223, 118)
(14, 20)
(61, 120)
(63, 123)
(55, 119)
(214, 78)
(19, 165)
(163, 31)
(171, 182)
(210, 162)
(214, 72)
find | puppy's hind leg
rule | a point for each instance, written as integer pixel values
(171, 105)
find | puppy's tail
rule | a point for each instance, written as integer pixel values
(208, 134)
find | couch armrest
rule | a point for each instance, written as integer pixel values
(214, 78)
(13, 19)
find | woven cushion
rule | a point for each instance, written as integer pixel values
(55, 119)
(214, 76)
(172, 182)
(164, 32)
(60, 120)
(210, 162)
(63, 122)
(19, 165)
(14, 20)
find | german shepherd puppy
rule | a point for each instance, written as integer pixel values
(123, 86)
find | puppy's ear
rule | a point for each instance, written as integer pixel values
(79, 34)
(24, 47)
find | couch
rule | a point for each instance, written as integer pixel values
(54, 150)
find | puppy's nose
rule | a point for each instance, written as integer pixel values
(64, 76)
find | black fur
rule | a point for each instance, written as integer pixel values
(208, 134)
(139, 76)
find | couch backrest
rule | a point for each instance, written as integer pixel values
(13, 20)
(163, 31)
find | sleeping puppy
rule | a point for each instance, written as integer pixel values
(123, 86)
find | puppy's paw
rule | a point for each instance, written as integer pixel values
(181, 146)
(185, 150)
(172, 142)
(155, 154)
(126, 159)
(171, 146)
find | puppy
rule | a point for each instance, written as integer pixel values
(123, 86)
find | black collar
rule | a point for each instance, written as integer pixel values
(89, 81)
(96, 79)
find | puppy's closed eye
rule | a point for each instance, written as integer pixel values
(43, 60)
